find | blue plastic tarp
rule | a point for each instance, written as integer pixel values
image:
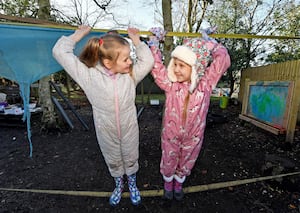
(26, 57)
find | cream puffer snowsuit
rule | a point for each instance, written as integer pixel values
(181, 140)
(113, 102)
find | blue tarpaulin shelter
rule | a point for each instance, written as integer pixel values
(26, 57)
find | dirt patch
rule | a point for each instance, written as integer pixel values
(71, 161)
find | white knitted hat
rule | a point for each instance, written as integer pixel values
(183, 53)
(197, 53)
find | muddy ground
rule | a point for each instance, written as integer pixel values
(70, 160)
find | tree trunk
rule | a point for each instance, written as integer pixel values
(189, 16)
(168, 26)
(49, 116)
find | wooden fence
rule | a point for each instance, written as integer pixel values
(287, 72)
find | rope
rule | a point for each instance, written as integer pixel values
(49, 24)
(154, 193)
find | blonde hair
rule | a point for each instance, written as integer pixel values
(185, 106)
(106, 47)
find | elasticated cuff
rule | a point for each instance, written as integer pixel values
(168, 179)
(179, 179)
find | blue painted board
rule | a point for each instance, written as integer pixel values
(268, 101)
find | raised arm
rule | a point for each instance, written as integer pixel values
(219, 65)
(159, 71)
(133, 34)
(144, 62)
(63, 52)
(80, 33)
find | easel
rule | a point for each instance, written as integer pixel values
(70, 105)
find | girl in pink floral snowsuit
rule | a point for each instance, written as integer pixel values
(193, 72)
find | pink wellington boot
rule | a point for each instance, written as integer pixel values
(178, 191)
(168, 187)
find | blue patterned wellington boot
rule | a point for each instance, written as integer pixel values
(134, 192)
(117, 193)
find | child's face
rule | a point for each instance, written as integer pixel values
(182, 70)
(123, 62)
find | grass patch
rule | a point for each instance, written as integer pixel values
(146, 98)
(161, 97)
(214, 98)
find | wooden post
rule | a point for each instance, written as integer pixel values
(292, 117)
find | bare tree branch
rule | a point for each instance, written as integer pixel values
(104, 5)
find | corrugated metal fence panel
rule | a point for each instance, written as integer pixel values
(287, 71)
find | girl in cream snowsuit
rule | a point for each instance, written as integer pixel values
(194, 70)
(106, 74)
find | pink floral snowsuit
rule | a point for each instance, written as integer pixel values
(181, 140)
